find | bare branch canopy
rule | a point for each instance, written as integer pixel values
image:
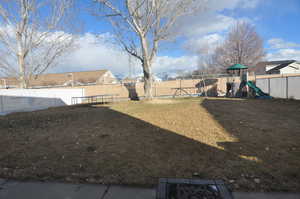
(140, 25)
(32, 36)
(243, 45)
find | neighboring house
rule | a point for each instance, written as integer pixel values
(277, 67)
(129, 80)
(139, 79)
(67, 79)
(154, 78)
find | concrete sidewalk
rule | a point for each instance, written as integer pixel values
(37, 190)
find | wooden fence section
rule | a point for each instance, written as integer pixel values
(213, 86)
(165, 88)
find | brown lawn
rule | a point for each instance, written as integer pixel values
(252, 144)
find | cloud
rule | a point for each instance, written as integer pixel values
(171, 64)
(202, 30)
(205, 30)
(284, 54)
(205, 44)
(204, 33)
(95, 52)
(44, 49)
(283, 50)
(202, 24)
(219, 5)
(210, 19)
(277, 43)
(100, 52)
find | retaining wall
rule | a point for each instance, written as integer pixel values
(20, 100)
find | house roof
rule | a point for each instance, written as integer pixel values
(281, 65)
(260, 67)
(62, 78)
(237, 67)
(59, 79)
(280, 62)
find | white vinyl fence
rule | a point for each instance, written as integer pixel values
(281, 87)
(20, 100)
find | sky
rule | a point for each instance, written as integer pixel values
(276, 21)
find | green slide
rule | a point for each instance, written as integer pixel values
(257, 90)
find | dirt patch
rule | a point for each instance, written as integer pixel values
(251, 144)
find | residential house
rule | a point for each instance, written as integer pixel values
(277, 67)
(65, 79)
(140, 79)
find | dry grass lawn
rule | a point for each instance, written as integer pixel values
(252, 144)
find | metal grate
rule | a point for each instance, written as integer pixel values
(192, 189)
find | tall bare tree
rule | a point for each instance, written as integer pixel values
(243, 45)
(140, 25)
(32, 36)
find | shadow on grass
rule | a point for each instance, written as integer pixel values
(101, 145)
(267, 133)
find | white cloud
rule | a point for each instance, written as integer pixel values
(205, 44)
(284, 54)
(219, 5)
(205, 30)
(202, 24)
(95, 52)
(209, 20)
(277, 43)
(204, 33)
(283, 50)
(167, 63)
(44, 49)
(202, 29)
(100, 52)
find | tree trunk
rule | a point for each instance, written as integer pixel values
(22, 76)
(147, 62)
(23, 83)
(147, 80)
(21, 61)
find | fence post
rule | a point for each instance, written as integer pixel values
(155, 87)
(180, 87)
(269, 86)
(1, 103)
(287, 87)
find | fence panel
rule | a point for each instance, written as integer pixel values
(19, 100)
(263, 84)
(294, 87)
(165, 88)
(278, 87)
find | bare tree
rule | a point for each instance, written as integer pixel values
(32, 37)
(205, 62)
(243, 45)
(140, 25)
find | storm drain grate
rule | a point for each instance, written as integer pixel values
(170, 188)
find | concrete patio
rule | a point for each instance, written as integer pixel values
(40, 190)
